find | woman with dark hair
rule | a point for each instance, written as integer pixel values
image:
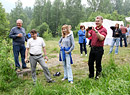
(82, 40)
(116, 37)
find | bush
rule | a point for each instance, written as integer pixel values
(8, 76)
(47, 35)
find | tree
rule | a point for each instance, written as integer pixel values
(56, 16)
(18, 13)
(4, 23)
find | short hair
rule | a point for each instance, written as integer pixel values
(99, 17)
(19, 20)
(81, 26)
(33, 31)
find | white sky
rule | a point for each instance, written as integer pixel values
(10, 4)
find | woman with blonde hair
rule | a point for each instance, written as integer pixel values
(66, 44)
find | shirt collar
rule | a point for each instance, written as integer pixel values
(99, 28)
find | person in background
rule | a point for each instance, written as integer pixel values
(37, 47)
(116, 37)
(66, 44)
(82, 40)
(19, 36)
(98, 35)
(128, 34)
(123, 30)
(71, 32)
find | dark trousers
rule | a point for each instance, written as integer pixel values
(95, 55)
(83, 45)
(125, 40)
(16, 50)
(90, 43)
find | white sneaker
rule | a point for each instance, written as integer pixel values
(71, 82)
(63, 79)
(85, 54)
(81, 54)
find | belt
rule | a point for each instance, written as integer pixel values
(35, 55)
(96, 48)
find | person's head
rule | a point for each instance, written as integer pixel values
(99, 21)
(65, 30)
(70, 27)
(117, 25)
(33, 33)
(127, 25)
(19, 23)
(82, 27)
(121, 25)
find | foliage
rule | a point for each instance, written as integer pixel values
(47, 35)
(4, 23)
(42, 28)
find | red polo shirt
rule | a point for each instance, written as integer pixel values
(123, 29)
(95, 41)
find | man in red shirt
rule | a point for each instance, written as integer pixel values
(98, 35)
(123, 30)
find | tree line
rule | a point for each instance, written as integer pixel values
(47, 17)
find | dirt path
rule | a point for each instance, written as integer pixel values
(52, 62)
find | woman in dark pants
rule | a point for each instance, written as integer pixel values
(82, 40)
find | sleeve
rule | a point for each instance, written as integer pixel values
(43, 43)
(80, 33)
(11, 35)
(25, 35)
(104, 33)
(112, 27)
(72, 44)
(60, 42)
(27, 46)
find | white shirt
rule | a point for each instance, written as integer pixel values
(36, 46)
(71, 32)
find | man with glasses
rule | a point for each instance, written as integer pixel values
(19, 36)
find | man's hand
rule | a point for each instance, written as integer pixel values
(25, 60)
(46, 58)
(20, 35)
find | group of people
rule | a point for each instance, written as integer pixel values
(36, 47)
(118, 35)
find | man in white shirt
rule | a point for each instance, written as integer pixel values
(37, 47)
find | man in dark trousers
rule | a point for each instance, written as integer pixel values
(98, 35)
(123, 30)
(19, 36)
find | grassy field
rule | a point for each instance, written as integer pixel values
(115, 78)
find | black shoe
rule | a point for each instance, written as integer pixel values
(25, 67)
(91, 76)
(51, 81)
(57, 74)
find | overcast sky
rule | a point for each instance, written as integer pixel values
(10, 4)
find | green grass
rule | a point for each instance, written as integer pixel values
(115, 78)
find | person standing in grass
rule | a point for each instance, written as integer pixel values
(19, 36)
(98, 35)
(116, 37)
(37, 47)
(82, 40)
(66, 44)
(123, 36)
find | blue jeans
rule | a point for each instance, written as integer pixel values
(125, 41)
(67, 68)
(16, 50)
(115, 40)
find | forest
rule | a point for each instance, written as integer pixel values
(47, 18)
